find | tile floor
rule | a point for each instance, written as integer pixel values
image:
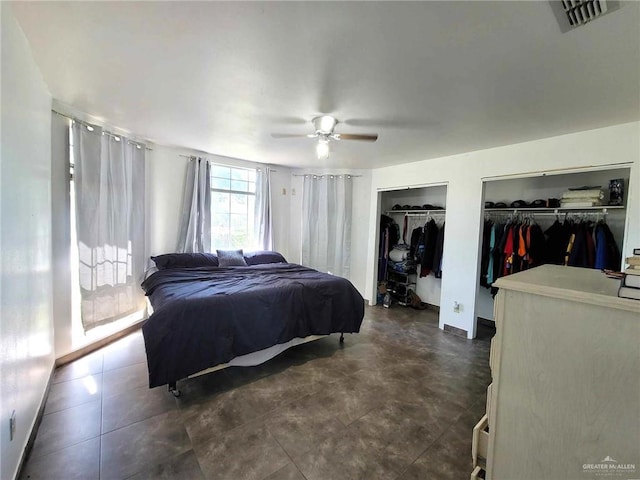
(397, 401)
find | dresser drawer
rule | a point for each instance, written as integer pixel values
(480, 442)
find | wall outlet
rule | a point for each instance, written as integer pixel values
(12, 425)
(457, 307)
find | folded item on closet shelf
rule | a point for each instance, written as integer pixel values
(585, 187)
(489, 205)
(553, 202)
(581, 199)
(599, 194)
(580, 202)
(519, 204)
(396, 207)
(416, 207)
(500, 205)
(538, 203)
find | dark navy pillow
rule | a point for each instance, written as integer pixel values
(263, 256)
(185, 260)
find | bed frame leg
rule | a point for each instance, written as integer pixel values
(341, 337)
(173, 389)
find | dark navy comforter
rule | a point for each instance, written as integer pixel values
(207, 316)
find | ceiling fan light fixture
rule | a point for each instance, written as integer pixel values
(325, 124)
(322, 149)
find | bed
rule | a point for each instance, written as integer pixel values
(206, 315)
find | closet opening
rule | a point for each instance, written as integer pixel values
(561, 218)
(410, 247)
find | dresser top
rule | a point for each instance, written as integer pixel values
(571, 283)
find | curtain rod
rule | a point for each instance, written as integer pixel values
(224, 164)
(111, 134)
(324, 175)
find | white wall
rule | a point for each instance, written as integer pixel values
(61, 235)
(359, 222)
(26, 327)
(166, 179)
(464, 175)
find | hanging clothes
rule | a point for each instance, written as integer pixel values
(557, 240)
(389, 236)
(430, 239)
(437, 258)
(490, 262)
(520, 245)
(485, 252)
(536, 246)
(591, 247)
(607, 253)
(496, 253)
(404, 229)
(509, 249)
(579, 255)
(416, 236)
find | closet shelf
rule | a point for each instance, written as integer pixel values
(417, 213)
(554, 211)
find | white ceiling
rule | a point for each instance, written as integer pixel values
(431, 78)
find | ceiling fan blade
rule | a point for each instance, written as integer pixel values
(397, 122)
(284, 120)
(289, 135)
(353, 136)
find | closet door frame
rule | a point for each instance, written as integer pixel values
(380, 210)
(550, 173)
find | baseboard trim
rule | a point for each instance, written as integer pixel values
(86, 350)
(459, 332)
(36, 424)
(430, 306)
(486, 321)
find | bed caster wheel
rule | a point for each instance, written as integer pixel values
(341, 338)
(173, 389)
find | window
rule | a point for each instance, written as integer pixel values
(233, 195)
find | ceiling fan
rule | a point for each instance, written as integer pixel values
(324, 131)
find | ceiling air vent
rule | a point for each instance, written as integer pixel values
(574, 13)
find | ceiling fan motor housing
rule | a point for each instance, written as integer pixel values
(324, 124)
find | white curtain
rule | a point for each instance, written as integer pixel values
(109, 179)
(195, 221)
(326, 223)
(263, 227)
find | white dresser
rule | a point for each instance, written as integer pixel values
(565, 398)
